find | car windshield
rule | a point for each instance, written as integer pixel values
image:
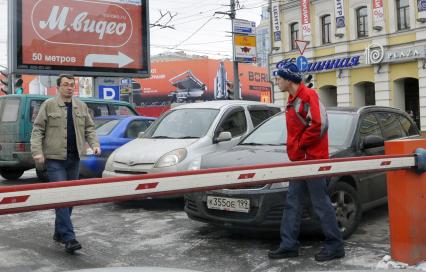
(183, 124)
(105, 126)
(273, 131)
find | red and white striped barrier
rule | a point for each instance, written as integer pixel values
(24, 198)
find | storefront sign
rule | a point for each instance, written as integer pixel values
(375, 53)
(378, 11)
(306, 18)
(421, 5)
(324, 65)
(340, 13)
(276, 23)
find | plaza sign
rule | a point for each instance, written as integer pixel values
(82, 37)
(376, 53)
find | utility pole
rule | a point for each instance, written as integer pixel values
(232, 15)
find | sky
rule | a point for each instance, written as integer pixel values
(196, 28)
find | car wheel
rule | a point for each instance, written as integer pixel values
(348, 208)
(42, 175)
(11, 174)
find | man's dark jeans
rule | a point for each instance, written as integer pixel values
(290, 225)
(60, 170)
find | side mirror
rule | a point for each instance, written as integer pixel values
(140, 134)
(371, 141)
(223, 136)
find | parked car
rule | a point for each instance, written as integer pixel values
(352, 132)
(186, 132)
(112, 132)
(17, 114)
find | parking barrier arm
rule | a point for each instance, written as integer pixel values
(24, 198)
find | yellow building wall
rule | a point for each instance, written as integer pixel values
(402, 70)
(362, 74)
(324, 79)
(401, 39)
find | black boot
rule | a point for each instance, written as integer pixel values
(281, 253)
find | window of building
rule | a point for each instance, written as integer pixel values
(325, 28)
(294, 32)
(362, 22)
(403, 14)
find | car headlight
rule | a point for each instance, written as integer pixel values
(279, 185)
(172, 158)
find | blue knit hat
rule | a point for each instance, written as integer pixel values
(290, 72)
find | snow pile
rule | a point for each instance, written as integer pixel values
(388, 263)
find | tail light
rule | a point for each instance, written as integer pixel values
(20, 147)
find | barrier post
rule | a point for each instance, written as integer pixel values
(407, 206)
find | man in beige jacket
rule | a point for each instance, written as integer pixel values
(61, 128)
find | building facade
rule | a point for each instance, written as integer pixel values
(360, 52)
(263, 39)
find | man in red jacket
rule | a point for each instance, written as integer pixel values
(307, 139)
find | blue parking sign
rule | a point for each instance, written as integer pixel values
(109, 92)
(302, 63)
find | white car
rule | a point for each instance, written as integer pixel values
(177, 140)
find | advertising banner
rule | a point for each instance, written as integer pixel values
(378, 12)
(339, 9)
(198, 80)
(245, 48)
(83, 37)
(276, 23)
(305, 7)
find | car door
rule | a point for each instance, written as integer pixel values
(372, 185)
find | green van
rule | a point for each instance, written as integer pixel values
(17, 114)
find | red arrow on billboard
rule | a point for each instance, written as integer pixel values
(301, 45)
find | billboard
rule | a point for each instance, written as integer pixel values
(82, 37)
(194, 80)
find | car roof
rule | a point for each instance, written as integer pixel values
(364, 109)
(218, 104)
(121, 117)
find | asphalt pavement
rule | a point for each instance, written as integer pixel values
(150, 235)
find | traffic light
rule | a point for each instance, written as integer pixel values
(4, 82)
(308, 82)
(18, 85)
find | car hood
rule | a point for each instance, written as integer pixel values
(249, 155)
(246, 155)
(148, 150)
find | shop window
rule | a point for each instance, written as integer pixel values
(403, 14)
(362, 22)
(325, 29)
(294, 32)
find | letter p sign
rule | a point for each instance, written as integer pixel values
(109, 92)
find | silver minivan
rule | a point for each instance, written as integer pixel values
(177, 140)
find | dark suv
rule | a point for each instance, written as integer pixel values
(352, 132)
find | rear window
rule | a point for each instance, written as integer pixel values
(260, 115)
(96, 109)
(122, 110)
(34, 109)
(11, 107)
(104, 127)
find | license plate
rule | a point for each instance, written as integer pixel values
(228, 204)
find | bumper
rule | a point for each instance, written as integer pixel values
(20, 160)
(265, 213)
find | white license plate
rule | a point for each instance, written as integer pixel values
(228, 204)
